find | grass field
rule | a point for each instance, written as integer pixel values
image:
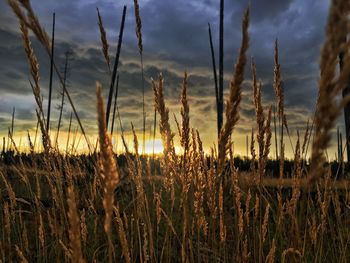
(194, 207)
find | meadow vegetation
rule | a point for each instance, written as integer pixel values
(194, 207)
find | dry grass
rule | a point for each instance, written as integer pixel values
(232, 106)
(105, 45)
(196, 207)
(330, 84)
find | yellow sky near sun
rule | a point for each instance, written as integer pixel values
(77, 145)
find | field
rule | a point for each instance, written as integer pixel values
(199, 218)
(197, 206)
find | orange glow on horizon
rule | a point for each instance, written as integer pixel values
(77, 144)
(149, 149)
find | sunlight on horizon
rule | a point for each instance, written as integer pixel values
(75, 144)
(149, 149)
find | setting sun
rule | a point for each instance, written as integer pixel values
(151, 148)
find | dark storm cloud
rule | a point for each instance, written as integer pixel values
(175, 39)
(24, 114)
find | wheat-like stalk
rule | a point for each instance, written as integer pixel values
(296, 180)
(256, 207)
(264, 130)
(265, 223)
(237, 196)
(45, 137)
(109, 167)
(41, 230)
(74, 229)
(10, 192)
(104, 41)
(166, 134)
(13, 141)
(232, 114)
(277, 84)
(247, 207)
(122, 235)
(185, 114)
(268, 136)
(271, 256)
(33, 64)
(20, 255)
(306, 137)
(165, 130)
(222, 226)
(259, 112)
(33, 23)
(138, 25)
(278, 87)
(18, 11)
(138, 31)
(330, 85)
(83, 227)
(7, 221)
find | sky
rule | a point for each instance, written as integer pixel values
(175, 39)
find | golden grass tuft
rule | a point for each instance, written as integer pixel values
(165, 130)
(232, 105)
(330, 84)
(109, 171)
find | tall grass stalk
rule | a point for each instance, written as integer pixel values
(51, 73)
(115, 67)
(330, 84)
(220, 107)
(110, 175)
(140, 46)
(217, 95)
(105, 45)
(233, 102)
(115, 105)
(62, 98)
